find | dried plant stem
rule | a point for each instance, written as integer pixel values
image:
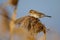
(12, 24)
(45, 36)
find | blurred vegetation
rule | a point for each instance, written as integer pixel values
(25, 31)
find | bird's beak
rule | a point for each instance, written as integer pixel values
(47, 16)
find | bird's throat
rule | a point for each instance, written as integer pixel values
(34, 15)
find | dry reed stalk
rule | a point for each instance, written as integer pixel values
(24, 33)
(43, 37)
(5, 19)
(12, 23)
(33, 26)
(13, 2)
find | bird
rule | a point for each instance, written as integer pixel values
(37, 14)
(32, 13)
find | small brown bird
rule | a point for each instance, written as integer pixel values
(32, 13)
(37, 14)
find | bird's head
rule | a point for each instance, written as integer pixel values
(37, 14)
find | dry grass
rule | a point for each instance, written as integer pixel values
(24, 34)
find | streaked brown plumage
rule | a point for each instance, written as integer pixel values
(37, 14)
